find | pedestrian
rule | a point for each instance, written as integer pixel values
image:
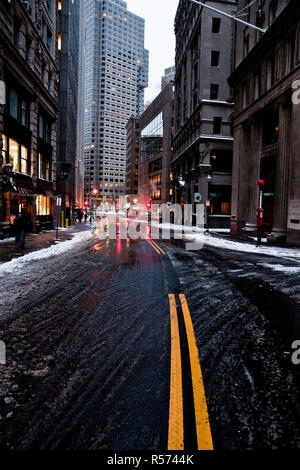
(85, 217)
(91, 218)
(80, 215)
(20, 227)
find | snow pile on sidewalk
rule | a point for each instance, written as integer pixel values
(17, 264)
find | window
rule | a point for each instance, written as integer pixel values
(214, 91)
(274, 10)
(49, 39)
(257, 90)
(44, 128)
(18, 107)
(27, 50)
(13, 104)
(216, 23)
(221, 161)
(24, 159)
(14, 154)
(217, 125)
(44, 167)
(215, 58)
(4, 149)
(59, 42)
(271, 73)
(16, 34)
(43, 205)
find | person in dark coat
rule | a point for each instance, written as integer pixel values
(20, 227)
(80, 215)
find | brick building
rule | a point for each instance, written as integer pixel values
(202, 157)
(132, 155)
(266, 121)
(29, 75)
(156, 126)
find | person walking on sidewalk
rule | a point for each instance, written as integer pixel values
(20, 226)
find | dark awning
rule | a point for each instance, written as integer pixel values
(45, 188)
(22, 185)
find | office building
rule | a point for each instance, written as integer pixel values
(266, 121)
(202, 157)
(116, 73)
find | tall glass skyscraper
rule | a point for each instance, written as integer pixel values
(116, 73)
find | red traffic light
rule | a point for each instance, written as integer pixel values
(149, 205)
(261, 183)
(86, 203)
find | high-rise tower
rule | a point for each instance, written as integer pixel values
(116, 73)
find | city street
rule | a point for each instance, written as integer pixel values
(91, 360)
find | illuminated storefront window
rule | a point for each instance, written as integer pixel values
(43, 205)
(14, 154)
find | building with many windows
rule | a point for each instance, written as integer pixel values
(68, 149)
(156, 124)
(28, 111)
(168, 76)
(202, 157)
(267, 120)
(132, 155)
(116, 73)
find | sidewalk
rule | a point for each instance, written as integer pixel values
(35, 242)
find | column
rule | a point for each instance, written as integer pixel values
(253, 156)
(282, 172)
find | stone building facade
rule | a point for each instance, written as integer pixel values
(28, 113)
(267, 120)
(202, 157)
(156, 124)
(132, 155)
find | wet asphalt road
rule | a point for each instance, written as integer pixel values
(88, 352)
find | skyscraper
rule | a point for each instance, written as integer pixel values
(116, 73)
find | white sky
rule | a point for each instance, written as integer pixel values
(159, 18)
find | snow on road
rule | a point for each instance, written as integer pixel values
(18, 264)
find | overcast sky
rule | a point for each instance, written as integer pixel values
(159, 38)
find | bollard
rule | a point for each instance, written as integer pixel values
(67, 223)
(62, 219)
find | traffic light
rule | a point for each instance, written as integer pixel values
(86, 203)
(149, 206)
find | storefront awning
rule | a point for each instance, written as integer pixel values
(21, 185)
(45, 188)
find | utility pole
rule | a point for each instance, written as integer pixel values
(232, 17)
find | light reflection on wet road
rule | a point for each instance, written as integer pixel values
(90, 352)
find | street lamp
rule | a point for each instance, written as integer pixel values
(260, 213)
(209, 178)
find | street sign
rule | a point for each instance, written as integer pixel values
(58, 201)
(197, 197)
(207, 203)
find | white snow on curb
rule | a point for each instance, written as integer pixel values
(17, 264)
(247, 247)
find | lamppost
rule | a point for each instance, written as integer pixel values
(260, 213)
(209, 178)
(93, 192)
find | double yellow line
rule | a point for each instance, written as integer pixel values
(176, 415)
(155, 246)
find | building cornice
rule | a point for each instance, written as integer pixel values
(289, 15)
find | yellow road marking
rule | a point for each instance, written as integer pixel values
(149, 241)
(204, 437)
(158, 247)
(175, 434)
